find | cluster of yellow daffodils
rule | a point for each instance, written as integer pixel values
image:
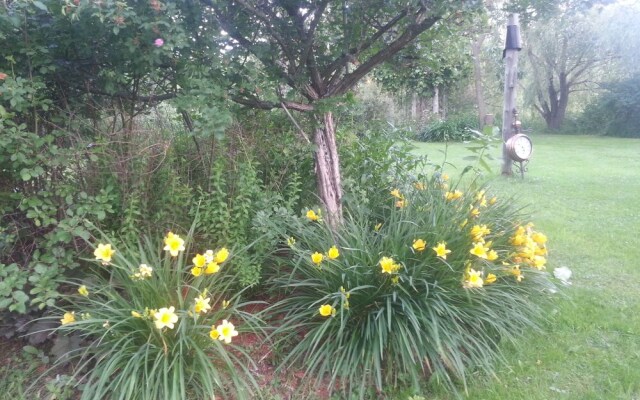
(223, 332)
(474, 279)
(209, 262)
(401, 202)
(327, 310)
(478, 232)
(389, 266)
(331, 254)
(531, 247)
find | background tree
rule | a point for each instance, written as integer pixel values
(564, 55)
(317, 51)
(430, 66)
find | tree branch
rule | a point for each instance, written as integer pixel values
(349, 80)
(268, 105)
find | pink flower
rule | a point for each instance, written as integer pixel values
(158, 42)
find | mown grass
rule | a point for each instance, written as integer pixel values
(584, 193)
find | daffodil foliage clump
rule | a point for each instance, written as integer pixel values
(159, 322)
(426, 289)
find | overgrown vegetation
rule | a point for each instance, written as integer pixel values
(425, 288)
(132, 136)
(454, 129)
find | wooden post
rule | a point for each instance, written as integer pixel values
(510, 84)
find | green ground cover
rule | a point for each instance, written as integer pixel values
(584, 193)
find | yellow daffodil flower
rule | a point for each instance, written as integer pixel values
(479, 250)
(222, 255)
(492, 255)
(419, 245)
(103, 253)
(201, 305)
(419, 186)
(135, 314)
(490, 279)
(450, 196)
(165, 318)
(327, 310)
(68, 318)
(226, 331)
(196, 271)
(396, 193)
(213, 333)
(83, 291)
(173, 244)
(199, 261)
(333, 253)
(478, 232)
(291, 241)
(539, 262)
(539, 238)
(441, 250)
(317, 258)
(313, 216)
(388, 266)
(212, 268)
(473, 279)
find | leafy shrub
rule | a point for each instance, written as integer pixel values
(375, 160)
(452, 129)
(44, 213)
(428, 288)
(157, 326)
(615, 112)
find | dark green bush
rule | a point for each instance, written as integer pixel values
(615, 112)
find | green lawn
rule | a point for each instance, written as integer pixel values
(584, 193)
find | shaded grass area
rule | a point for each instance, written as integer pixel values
(584, 193)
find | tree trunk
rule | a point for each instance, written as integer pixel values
(327, 169)
(414, 107)
(436, 102)
(476, 46)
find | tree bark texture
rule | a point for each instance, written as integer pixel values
(509, 105)
(328, 169)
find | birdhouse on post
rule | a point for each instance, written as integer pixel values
(510, 55)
